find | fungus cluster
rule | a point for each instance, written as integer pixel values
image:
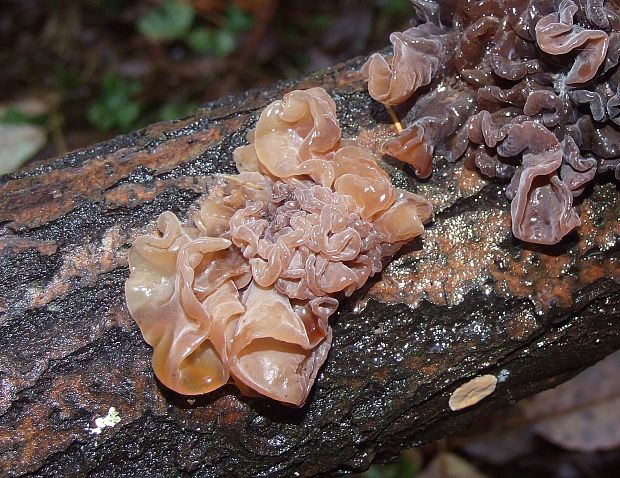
(527, 90)
(244, 291)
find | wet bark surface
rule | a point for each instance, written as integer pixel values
(465, 300)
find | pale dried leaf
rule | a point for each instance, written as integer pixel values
(18, 143)
(449, 465)
(583, 413)
(502, 444)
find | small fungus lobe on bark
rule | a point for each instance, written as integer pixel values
(472, 392)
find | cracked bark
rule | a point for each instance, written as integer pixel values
(465, 300)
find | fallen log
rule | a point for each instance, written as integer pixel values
(77, 393)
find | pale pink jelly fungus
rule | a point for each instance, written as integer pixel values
(245, 290)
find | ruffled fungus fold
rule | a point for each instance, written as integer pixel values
(244, 292)
(500, 69)
(419, 53)
(542, 204)
(556, 34)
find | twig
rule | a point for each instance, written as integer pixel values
(397, 124)
(56, 132)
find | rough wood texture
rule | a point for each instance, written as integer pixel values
(464, 301)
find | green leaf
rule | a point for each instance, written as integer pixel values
(217, 42)
(97, 115)
(224, 43)
(116, 107)
(237, 20)
(168, 21)
(13, 115)
(126, 115)
(176, 109)
(201, 40)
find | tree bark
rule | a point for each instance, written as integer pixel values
(465, 300)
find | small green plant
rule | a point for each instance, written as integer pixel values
(237, 20)
(175, 20)
(220, 41)
(209, 40)
(175, 109)
(116, 107)
(170, 20)
(14, 115)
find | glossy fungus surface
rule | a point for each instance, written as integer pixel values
(527, 90)
(243, 291)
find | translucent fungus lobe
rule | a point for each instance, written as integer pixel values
(526, 89)
(244, 291)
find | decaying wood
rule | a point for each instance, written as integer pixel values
(466, 300)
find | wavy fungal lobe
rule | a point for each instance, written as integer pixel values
(244, 291)
(527, 90)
